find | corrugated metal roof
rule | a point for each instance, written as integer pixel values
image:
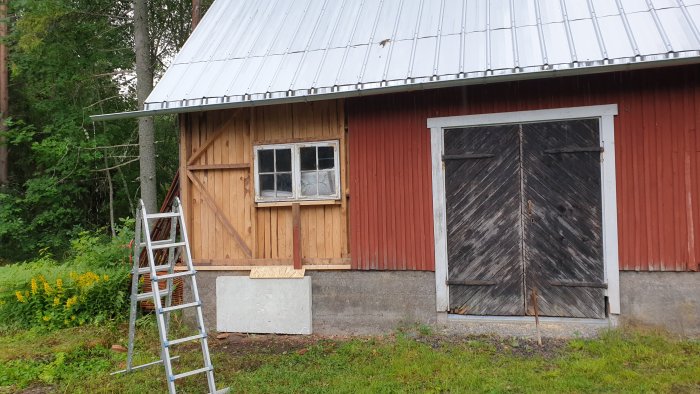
(252, 52)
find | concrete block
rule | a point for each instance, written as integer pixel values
(266, 306)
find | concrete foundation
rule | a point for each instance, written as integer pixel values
(377, 302)
(665, 300)
(365, 302)
(523, 326)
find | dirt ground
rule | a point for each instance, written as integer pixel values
(253, 344)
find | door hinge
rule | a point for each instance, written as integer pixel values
(471, 282)
(574, 150)
(598, 285)
(469, 156)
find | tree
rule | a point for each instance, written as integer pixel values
(69, 59)
(196, 13)
(4, 94)
(65, 59)
(144, 86)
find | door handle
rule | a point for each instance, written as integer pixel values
(529, 207)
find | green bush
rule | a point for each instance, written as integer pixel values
(90, 287)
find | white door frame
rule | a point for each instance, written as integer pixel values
(605, 113)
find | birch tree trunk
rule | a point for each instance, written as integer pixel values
(144, 86)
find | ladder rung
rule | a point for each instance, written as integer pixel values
(159, 268)
(175, 275)
(182, 340)
(168, 245)
(182, 306)
(149, 295)
(144, 365)
(186, 374)
(163, 215)
(159, 242)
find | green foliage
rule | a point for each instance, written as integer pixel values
(90, 287)
(70, 59)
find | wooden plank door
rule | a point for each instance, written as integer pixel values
(483, 211)
(562, 216)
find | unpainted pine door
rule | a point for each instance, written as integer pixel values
(523, 205)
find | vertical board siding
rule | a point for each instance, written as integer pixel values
(266, 231)
(657, 151)
(390, 185)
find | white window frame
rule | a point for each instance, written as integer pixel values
(606, 115)
(295, 147)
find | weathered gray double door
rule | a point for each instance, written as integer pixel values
(523, 208)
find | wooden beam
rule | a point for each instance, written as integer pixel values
(235, 166)
(296, 237)
(276, 272)
(306, 262)
(339, 267)
(290, 203)
(217, 212)
(212, 138)
(185, 148)
(272, 141)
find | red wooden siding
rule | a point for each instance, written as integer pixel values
(657, 152)
(391, 217)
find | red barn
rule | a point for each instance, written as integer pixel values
(459, 163)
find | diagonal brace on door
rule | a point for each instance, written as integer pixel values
(217, 212)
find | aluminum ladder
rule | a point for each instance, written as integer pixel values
(176, 246)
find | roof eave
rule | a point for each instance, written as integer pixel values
(553, 73)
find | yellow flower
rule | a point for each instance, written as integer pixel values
(20, 297)
(47, 288)
(71, 301)
(105, 277)
(72, 317)
(56, 301)
(35, 287)
(47, 318)
(59, 284)
(88, 279)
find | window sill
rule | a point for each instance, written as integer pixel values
(290, 203)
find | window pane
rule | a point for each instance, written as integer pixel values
(326, 183)
(267, 185)
(308, 158)
(326, 157)
(284, 159)
(284, 185)
(309, 184)
(266, 160)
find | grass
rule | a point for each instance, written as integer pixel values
(80, 360)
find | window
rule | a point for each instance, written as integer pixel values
(300, 171)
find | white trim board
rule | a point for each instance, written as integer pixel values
(605, 113)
